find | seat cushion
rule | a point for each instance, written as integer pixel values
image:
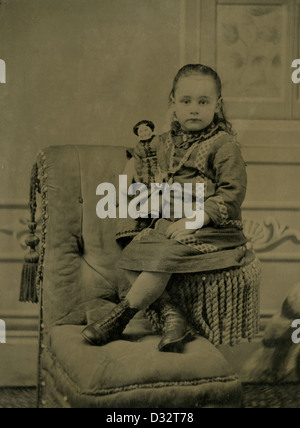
(133, 373)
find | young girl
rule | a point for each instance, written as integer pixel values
(199, 148)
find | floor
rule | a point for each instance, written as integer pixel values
(271, 396)
(18, 364)
(17, 398)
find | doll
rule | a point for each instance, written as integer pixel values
(145, 157)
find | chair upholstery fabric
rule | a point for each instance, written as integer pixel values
(81, 283)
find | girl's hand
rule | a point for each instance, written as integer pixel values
(178, 229)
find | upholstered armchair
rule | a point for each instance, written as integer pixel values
(78, 281)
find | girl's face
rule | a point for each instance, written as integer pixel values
(145, 132)
(196, 102)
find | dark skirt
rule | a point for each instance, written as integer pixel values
(152, 251)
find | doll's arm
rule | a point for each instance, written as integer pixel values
(231, 179)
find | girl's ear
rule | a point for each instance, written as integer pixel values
(219, 104)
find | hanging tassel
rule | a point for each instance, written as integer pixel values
(28, 289)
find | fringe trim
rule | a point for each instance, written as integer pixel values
(33, 269)
(28, 290)
(222, 306)
(42, 176)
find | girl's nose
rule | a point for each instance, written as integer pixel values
(194, 110)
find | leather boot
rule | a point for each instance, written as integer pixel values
(111, 327)
(176, 330)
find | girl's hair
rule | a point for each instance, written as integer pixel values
(199, 69)
(143, 122)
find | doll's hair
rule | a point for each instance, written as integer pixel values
(143, 122)
(199, 69)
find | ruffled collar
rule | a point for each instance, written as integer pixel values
(147, 141)
(184, 139)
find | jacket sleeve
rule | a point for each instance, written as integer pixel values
(231, 184)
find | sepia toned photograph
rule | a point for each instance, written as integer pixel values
(149, 206)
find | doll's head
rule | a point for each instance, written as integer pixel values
(196, 98)
(144, 130)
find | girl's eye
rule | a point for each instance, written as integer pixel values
(185, 101)
(203, 102)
